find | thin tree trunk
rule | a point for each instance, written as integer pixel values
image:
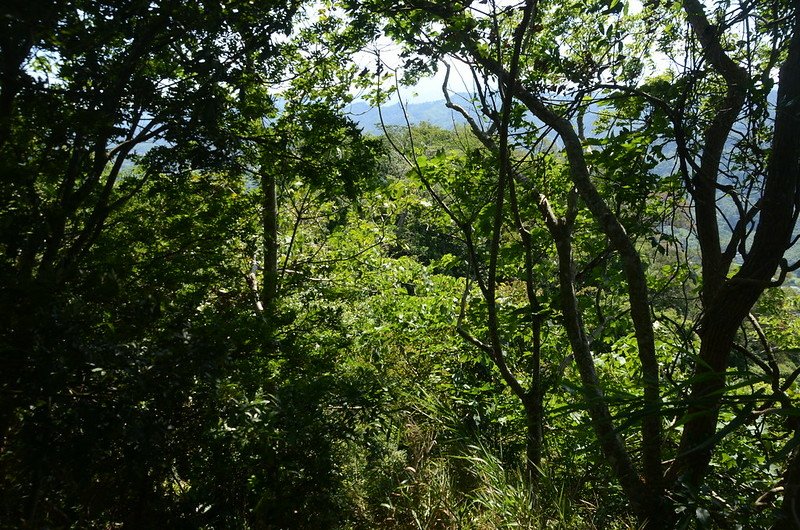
(646, 503)
(270, 213)
(532, 399)
(534, 418)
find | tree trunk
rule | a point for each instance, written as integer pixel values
(790, 509)
(270, 212)
(729, 309)
(736, 297)
(534, 416)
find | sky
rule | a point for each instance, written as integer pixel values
(426, 89)
(430, 88)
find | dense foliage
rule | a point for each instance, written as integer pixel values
(226, 306)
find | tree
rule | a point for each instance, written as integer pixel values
(125, 222)
(552, 61)
(86, 88)
(139, 383)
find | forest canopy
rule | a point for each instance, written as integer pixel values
(226, 305)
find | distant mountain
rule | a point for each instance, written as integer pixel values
(436, 113)
(433, 112)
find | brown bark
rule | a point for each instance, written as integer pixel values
(636, 282)
(534, 419)
(645, 501)
(640, 309)
(534, 399)
(704, 189)
(638, 295)
(734, 299)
